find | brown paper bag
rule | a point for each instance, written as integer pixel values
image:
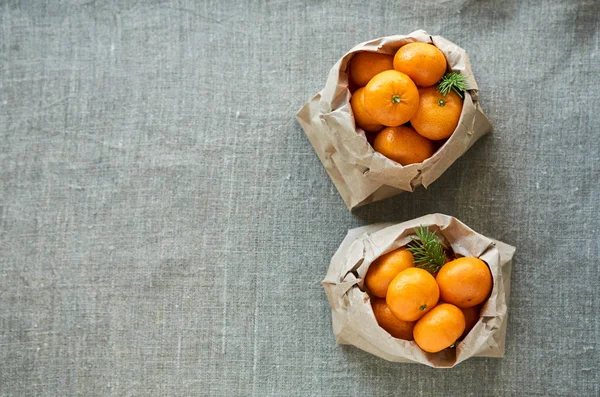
(359, 173)
(354, 322)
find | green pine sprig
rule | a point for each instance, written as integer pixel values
(453, 81)
(427, 250)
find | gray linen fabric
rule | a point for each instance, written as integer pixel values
(165, 224)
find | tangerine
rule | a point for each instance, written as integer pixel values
(386, 320)
(471, 317)
(361, 117)
(424, 63)
(440, 328)
(403, 145)
(383, 270)
(391, 98)
(465, 282)
(437, 115)
(412, 293)
(364, 65)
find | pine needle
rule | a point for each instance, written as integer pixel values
(453, 81)
(427, 250)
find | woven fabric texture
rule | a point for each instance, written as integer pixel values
(165, 223)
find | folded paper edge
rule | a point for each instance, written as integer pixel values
(505, 254)
(345, 183)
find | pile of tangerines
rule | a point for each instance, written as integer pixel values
(422, 292)
(406, 103)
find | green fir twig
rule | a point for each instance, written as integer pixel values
(427, 250)
(453, 82)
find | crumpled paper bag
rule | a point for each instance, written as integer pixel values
(352, 316)
(359, 173)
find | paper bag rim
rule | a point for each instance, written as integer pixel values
(353, 320)
(356, 169)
